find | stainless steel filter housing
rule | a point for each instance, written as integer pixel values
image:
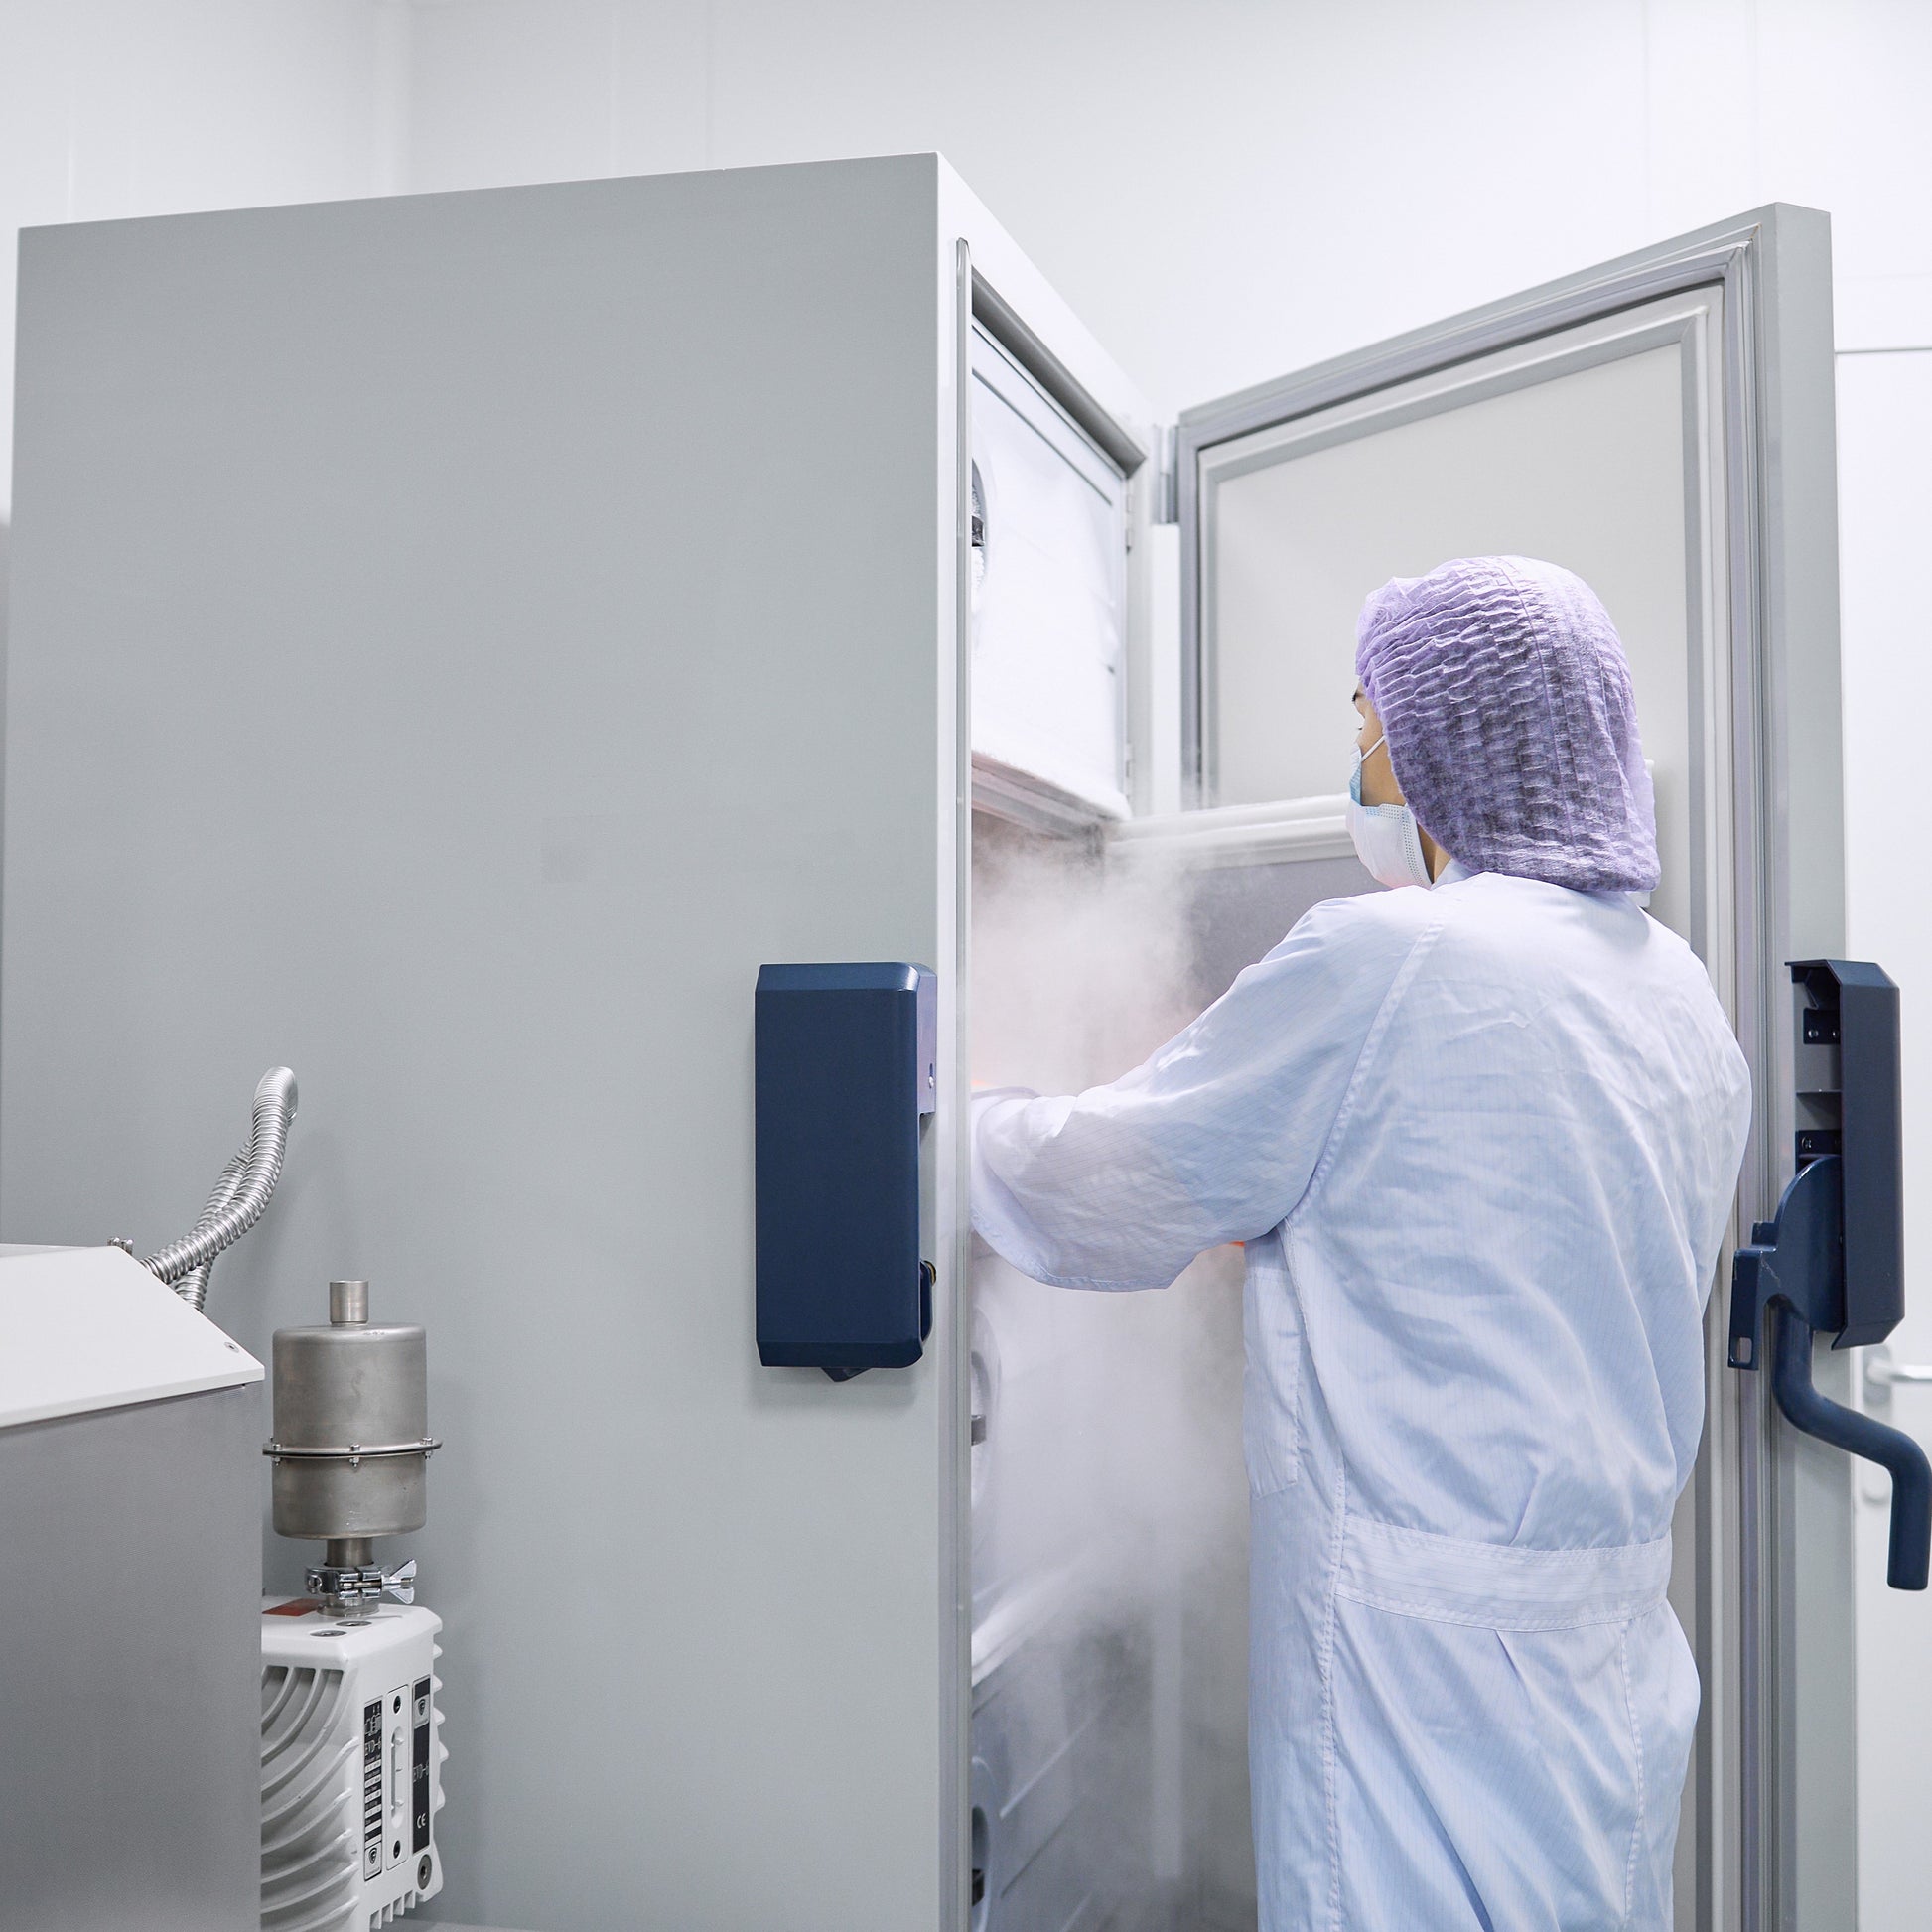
(352, 1440)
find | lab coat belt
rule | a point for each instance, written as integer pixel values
(1496, 1586)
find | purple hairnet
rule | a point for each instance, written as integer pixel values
(1512, 727)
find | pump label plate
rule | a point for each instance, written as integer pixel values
(419, 1767)
(372, 1789)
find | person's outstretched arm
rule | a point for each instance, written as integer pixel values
(1213, 1139)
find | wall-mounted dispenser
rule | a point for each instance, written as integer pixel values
(847, 1070)
(1833, 1260)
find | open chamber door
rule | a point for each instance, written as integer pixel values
(1663, 426)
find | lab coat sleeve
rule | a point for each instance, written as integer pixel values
(1214, 1138)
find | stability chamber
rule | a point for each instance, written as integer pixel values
(456, 641)
(569, 578)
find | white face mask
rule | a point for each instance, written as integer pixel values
(1387, 839)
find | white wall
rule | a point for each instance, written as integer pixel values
(120, 107)
(1307, 175)
(1885, 405)
(1225, 190)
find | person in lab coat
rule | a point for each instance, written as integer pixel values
(1480, 1138)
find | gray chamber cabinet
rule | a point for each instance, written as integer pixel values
(457, 639)
(457, 642)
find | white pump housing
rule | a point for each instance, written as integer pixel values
(352, 1766)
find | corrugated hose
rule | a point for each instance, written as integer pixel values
(237, 1198)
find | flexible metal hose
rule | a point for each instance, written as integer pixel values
(232, 1210)
(193, 1286)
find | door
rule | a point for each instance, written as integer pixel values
(1663, 426)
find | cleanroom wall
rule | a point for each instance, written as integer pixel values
(1175, 171)
(1885, 470)
(1229, 190)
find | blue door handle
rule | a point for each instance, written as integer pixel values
(1831, 1422)
(1796, 1265)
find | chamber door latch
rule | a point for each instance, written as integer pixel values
(1832, 1261)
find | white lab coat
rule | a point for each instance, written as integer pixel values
(1482, 1143)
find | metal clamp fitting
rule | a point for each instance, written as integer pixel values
(350, 1453)
(360, 1584)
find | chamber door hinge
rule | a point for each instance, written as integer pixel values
(1166, 507)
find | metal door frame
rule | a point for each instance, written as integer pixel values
(1775, 1764)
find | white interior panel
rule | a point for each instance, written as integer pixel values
(1049, 615)
(1586, 469)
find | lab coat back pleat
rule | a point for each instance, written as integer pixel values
(1428, 1749)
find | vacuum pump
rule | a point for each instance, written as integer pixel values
(351, 1755)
